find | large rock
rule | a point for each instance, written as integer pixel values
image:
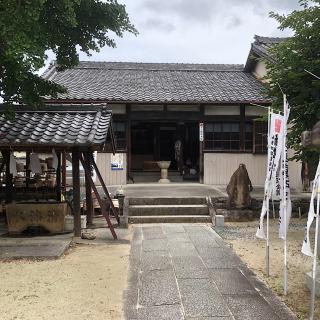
(239, 189)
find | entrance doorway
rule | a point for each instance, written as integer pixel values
(170, 141)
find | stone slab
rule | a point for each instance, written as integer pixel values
(173, 312)
(190, 267)
(157, 288)
(249, 308)
(219, 258)
(182, 249)
(200, 298)
(155, 260)
(154, 245)
(184, 237)
(173, 229)
(33, 250)
(232, 281)
(210, 318)
(153, 232)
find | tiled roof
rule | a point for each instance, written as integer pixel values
(58, 128)
(157, 82)
(260, 48)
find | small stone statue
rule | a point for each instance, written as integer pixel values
(239, 189)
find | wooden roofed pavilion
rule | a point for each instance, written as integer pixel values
(79, 131)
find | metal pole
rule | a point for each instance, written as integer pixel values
(267, 203)
(267, 247)
(284, 159)
(315, 256)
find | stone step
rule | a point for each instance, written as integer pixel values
(168, 210)
(167, 201)
(171, 219)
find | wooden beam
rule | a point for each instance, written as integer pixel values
(101, 203)
(76, 191)
(104, 187)
(89, 203)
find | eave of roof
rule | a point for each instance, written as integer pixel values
(60, 128)
(259, 49)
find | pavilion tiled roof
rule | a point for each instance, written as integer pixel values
(55, 128)
(126, 82)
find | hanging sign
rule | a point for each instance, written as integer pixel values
(201, 131)
(117, 161)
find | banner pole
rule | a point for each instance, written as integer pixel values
(268, 246)
(315, 256)
(267, 260)
(284, 158)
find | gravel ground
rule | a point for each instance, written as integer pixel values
(241, 236)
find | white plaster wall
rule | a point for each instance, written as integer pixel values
(260, 70)
(117, 108)
(111, 177)
(213, 110)
(219, 167)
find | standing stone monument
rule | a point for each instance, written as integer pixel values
(239, 189)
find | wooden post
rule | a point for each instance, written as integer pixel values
(28, 172)
(76, 191)
(89, 204)
(242, 127)
(64, 173)
(101, 203)
(9, 180)
(58, 177)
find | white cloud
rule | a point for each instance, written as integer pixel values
(200, 31)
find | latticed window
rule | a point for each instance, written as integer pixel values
(119, 128)
(222, 136)
(226, 136)
(260, 137)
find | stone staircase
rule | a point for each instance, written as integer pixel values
(168, 210)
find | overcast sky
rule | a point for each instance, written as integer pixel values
(198, 31)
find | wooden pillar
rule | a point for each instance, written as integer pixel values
(242, 127)
(76, 191)
(28, 172)
(58, 177)
(89, 204)
(128, 141)
(9, 180)
(64, 173)
(201, 145)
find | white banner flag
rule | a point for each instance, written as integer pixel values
(275, 148)
(306, 246)
(285, 197)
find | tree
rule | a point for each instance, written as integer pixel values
(287, 71)
(29, 28)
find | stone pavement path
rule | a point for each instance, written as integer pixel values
(180, 271)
